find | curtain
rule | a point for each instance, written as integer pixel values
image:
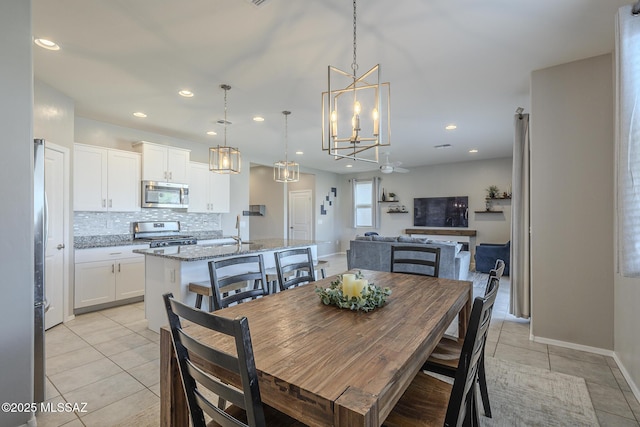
(519, 267)
(628, 141)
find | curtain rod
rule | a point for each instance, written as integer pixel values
(636, 8)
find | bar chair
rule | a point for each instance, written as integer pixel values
(422, 260)
(294, 267)
(232, 274)
(445, 358)
(429, 401)
(246, 407)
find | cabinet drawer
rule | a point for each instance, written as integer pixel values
(108, 253)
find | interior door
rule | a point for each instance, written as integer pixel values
(54, 164)
(300, 215)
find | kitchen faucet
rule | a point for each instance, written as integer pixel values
(237, 238)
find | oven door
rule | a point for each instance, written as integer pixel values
(164, 195)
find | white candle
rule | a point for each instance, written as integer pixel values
(348, 284)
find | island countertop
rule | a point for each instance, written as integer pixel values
(205, 252)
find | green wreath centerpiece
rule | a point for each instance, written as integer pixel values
(353, 292)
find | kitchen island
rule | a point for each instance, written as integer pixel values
(171, 269)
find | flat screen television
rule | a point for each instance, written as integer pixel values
(441, 211)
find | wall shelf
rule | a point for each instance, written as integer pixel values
(488, 212)
(397, 211)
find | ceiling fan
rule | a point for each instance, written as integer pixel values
(388, 167)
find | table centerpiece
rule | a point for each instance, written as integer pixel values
(354, 292)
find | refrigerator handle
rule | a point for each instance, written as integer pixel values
(47, 305)
(46, 222)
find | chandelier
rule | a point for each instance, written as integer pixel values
(284, 170)
(223, 159)
(355, 111)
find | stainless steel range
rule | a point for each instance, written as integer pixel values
(161, 233)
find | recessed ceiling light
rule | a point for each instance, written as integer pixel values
(140, 114)
(474, 150)
(451, 127)
(442, 146)
(46, 44)
(300, 153)
(349, 165)
(212, 133)
(186, 93)
(258, 119)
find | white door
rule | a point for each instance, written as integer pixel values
(55, 244)
(300, 215)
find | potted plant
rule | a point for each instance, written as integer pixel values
(392, 197)
(492, 191)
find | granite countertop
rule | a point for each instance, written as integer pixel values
(108, 240)
(204, 252)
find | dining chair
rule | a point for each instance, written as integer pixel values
(429, 401)
(295, 267)
(228, 275)
(246, 407)
(445, 358)
(422, 260)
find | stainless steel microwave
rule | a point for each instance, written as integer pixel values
(164, 195)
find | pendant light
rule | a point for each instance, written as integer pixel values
(284, 170)
(225, 160)
(355, 111)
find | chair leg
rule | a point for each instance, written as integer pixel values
(211, 307)
(199, 301)
(484, 393)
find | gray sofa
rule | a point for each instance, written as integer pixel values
(374, 253)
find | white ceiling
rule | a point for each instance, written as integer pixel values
(466, 62)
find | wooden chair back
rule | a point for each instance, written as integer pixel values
(242, 364)
(462, 404)
(294, 267)
(497, 271)
(422, 260)
(227, 272)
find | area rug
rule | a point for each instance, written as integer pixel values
(522, 395)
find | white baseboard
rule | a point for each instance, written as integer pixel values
(604, 352)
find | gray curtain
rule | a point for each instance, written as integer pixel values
(628, 140)
(520, 305)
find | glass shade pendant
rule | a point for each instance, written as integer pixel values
(284, 170)
(224, 159)
(355, 111)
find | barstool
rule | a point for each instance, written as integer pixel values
(321, 265)
(203, 289)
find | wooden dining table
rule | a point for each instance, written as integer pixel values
(327, 366)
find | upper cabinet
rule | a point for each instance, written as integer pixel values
(105, 179)
(208, 192)
(162, 163)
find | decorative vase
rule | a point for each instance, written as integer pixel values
(384, 197)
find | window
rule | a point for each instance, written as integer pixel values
(365, 203)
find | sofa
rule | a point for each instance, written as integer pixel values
(374, 253)
(488, 253)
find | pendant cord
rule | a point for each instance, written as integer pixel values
(354, 66)
(225, 116)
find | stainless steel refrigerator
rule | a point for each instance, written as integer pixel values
(40, 237)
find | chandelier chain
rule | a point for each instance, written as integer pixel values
(226, 88)
(354, 66)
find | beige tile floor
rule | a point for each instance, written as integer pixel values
(110, 360)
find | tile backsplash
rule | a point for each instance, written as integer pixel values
(106, 223)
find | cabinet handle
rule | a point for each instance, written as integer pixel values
(110, 203)
(165, 175)
(170, 175)
(113, 268)
(104, 203)
(118, 267)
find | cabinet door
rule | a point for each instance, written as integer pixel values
(154, 163)
(129, 277)
(199, 193)
(94, 283)
(220, 192)
(124, 181)
(89, 178)
(178, 165)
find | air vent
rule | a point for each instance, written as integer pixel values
(442, 146)
(257, 3)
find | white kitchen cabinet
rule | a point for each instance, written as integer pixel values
(208, 192)
(110, 274)
(105, 179)
(164, 164)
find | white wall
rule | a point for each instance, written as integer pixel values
(456, 179)
(16, 245)
(572, 146)
(263, 190)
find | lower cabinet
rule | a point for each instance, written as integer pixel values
(105, 275)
